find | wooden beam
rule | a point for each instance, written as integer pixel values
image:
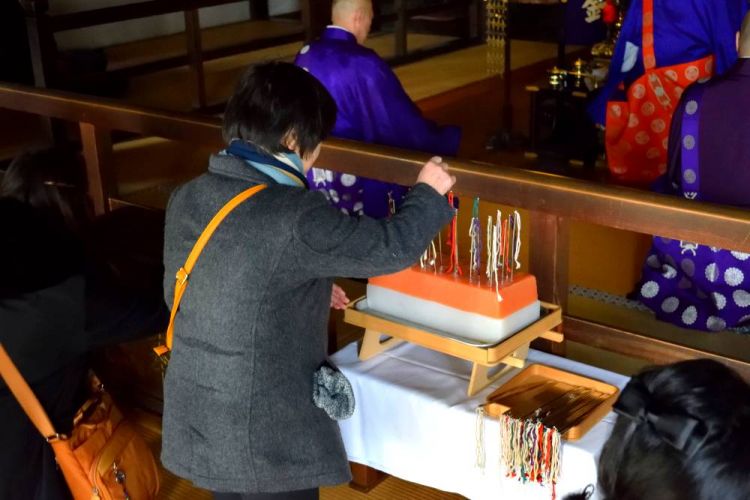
(97, 152)
(210, 54)
(126, 12)
(599, 203)
(113, 115)
(640, 346)
(548, 261)
(506, 182)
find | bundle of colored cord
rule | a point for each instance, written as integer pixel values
(531, 451)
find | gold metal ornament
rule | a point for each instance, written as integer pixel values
(496, 33)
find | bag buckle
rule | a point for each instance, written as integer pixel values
(182, 276)
(55, 437)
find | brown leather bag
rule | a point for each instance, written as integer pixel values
(104, 458)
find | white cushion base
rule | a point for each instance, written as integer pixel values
(436, 316)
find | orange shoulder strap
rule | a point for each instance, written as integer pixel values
(25, 396)
(183, 274)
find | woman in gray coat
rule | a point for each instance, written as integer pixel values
(239, 417)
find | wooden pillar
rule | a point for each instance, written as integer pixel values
(43, 52)
(402, 22)
(258, 9)
(475, 19)
(549, 252)
(507, 85)
(316, 15)
(97, 152)
(195, 56)
(561, 34)
(41, 42)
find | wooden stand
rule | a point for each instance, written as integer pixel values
(511, 352)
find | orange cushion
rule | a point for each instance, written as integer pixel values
(458, 292)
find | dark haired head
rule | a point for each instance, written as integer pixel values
(276, 104)
(53, 182)
(682, 433)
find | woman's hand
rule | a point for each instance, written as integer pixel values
(435, 174)
(339, 300)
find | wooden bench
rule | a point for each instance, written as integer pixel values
(184, 49)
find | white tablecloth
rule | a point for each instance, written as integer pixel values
(413, 420)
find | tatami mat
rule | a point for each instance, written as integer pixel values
(173, 89)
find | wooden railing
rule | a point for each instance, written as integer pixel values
(552, 201)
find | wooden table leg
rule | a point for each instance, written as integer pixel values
(372, 344)
(480, 377)
(365, 478)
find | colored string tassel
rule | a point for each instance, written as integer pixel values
(475, 233)
(531, 451)
(454, 266)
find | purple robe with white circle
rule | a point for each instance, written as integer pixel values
(685, 283)
(372, 107)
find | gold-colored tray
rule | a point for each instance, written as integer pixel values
(511, 351)
(539, 386)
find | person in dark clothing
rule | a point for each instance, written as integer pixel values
(681, 434)
(14, 45)
(685, 283)
(56, 303)
(240, 417)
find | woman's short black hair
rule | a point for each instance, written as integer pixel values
(640, 462)
(277, 101)
(53, 182)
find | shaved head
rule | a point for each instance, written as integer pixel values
(350, 4)
(743, 45)
(353, 15)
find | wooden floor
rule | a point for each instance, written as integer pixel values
(172, 89)
(174, 488)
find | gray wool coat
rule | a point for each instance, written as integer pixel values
(251, 330)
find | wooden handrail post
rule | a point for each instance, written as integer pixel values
(195, 56)
(548, 261)
(97, 152)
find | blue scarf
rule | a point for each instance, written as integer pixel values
(284, 168)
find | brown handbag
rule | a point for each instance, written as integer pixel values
(103, 458)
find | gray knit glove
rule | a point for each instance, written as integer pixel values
(332, 392)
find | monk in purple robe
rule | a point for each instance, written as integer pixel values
(372, 107)
(692, 285)
(664, 46)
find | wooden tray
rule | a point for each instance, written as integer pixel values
(542, 386)
(510, 351)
